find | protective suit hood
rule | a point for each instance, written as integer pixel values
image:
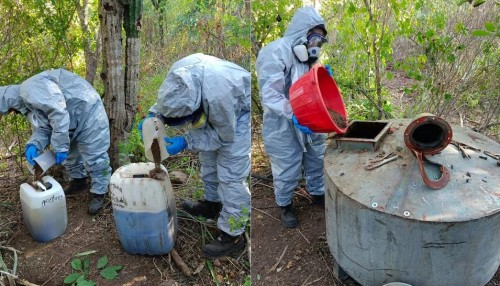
(303, 20)
(10, 99)
(180, 93)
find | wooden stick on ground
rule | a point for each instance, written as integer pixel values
(183, 266)
(25, 283)
(278, 262)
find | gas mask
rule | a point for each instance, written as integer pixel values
(310, 51)
(314, 43)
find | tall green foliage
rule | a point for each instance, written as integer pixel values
(269, 22)
(361, 50)
(444, 48)
(37, 35)
(218, 28)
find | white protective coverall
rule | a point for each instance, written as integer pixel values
(222, 89)
(66, 112)
(289, 150)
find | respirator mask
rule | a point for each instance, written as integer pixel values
(310, 51)
(314, 43)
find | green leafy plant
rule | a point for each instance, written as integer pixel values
(248, 281)
(81, 267)
(239, 222)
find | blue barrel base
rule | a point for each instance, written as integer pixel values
(145, 232)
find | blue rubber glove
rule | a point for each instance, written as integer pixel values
(31, 153)
(139, 127)
(60, 157)
(177, 144)
(329, 69)
(302, 128)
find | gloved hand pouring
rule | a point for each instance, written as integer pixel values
(175, 144)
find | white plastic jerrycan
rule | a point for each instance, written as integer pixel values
(153, 128)
(144, 209)
(44, 209)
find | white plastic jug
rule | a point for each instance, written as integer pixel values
(153, 128)
(144, 209)
(44, 209)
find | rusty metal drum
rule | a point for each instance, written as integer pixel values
(384, 224)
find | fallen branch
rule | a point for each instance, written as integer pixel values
(199, 268)
(25, 283)
(180, 263)
(136, 279)
(265, 213)
(279, 260)
(304, 236)
(312, 282)
(6, 157)
(8, 274)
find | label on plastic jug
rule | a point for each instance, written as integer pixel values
(52, 199)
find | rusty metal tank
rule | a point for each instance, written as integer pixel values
(384, 224)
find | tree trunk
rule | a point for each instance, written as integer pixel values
(376, 60)
(120, 83)
(132, 24)
(91, 56)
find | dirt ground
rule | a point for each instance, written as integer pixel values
(282, 256)
(49, 263)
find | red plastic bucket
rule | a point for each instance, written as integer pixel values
(317, 103)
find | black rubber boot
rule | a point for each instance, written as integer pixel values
(318, 200)
(206, 209)
(96, 204)
(223, 245)
(288, 218)
(77, 185)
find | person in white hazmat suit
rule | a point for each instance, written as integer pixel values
(210, 98)
(66, 112)
(291, 147)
